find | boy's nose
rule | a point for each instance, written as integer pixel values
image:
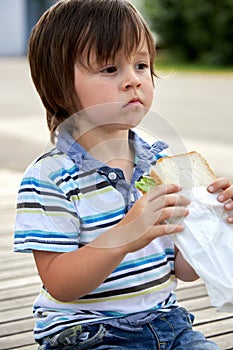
(132, 81)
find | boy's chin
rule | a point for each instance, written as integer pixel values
(115, 114)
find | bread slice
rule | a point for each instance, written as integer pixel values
(188, 170)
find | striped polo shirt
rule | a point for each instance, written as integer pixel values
(66, 199)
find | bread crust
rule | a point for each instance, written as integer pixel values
(189, 158)
(155, 177)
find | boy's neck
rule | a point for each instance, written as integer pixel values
(107, 145)
(110, 148)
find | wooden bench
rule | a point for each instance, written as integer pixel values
(19, 285)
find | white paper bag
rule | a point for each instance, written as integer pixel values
(207, 245)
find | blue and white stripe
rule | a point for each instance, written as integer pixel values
(64, 202)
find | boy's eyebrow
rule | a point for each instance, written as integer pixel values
(142, 53)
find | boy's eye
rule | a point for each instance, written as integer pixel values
(109, 70)
(142, 66)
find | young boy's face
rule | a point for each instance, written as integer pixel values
(124, 81)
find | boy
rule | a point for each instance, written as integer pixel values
(102, 250)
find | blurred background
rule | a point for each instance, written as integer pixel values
(194, 94)
(17, 17)
(194, 31)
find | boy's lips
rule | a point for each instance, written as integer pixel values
(134, 101)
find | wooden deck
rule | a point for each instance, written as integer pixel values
(19, 285)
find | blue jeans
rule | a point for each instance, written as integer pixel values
(147, 331)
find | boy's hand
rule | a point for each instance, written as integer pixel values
(224, 186)
(146, 220)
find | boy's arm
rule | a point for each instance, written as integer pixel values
(68, 276)
(183, 270)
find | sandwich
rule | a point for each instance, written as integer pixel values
(147, 182)
(188, 170)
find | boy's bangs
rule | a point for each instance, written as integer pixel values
(123, 30)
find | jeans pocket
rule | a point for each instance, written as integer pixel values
(78, 337)
(189, 317)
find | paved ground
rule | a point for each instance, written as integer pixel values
(195, 109)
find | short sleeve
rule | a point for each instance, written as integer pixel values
(45, 218)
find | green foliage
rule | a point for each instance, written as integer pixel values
(194, 30)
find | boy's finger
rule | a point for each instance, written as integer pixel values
(170, 212)
(162, 190)
(221, 183)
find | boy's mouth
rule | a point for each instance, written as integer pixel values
(134, 102)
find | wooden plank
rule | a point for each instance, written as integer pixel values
(224, 341)
(19, 282)
(217, 327)
(14, 258)
(25, 290)
(17, 326)
(10, 264)
(14, 303)
(193, 305)
(10, 254)
(17, 341)
(210, 314)
(192, 293)
(25, 347)
(15, 314)
(15, 274)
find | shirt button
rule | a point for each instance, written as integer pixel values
(132, 197)
(112, 176)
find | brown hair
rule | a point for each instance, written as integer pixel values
(63, 32)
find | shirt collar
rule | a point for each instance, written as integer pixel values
(145, 154)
